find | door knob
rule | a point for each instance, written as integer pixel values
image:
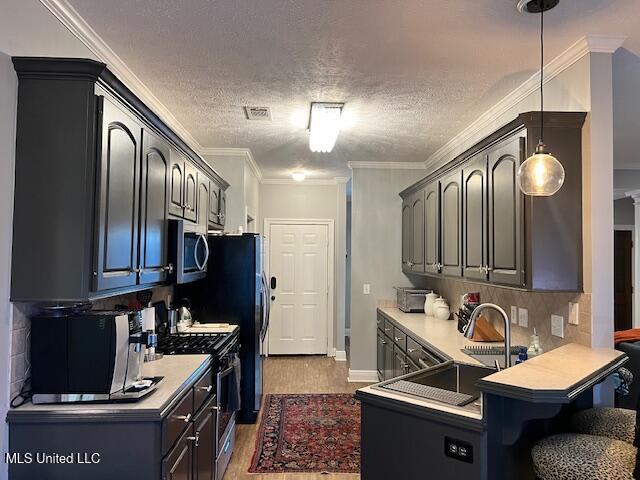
(273, 298)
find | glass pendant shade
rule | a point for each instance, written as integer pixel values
(540, 175)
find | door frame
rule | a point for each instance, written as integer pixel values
(330, 224)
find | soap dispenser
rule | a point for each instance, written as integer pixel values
(534, 347)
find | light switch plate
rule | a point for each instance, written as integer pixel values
(523, 317)
(366, 288)
(557, 326)
(514, 314)
(574, 314)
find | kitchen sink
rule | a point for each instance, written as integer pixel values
(452, 383)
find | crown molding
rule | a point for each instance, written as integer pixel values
(584, 46)
(307, 182)
(78, 26)
(388, 165)
(234, 152)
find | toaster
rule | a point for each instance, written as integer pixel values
(410, 299)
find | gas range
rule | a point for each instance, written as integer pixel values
(214, 344)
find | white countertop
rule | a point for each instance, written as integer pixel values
(179, 372)
(442, 335)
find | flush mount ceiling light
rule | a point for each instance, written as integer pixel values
(299, 176)
(324, 126)
(540, 175)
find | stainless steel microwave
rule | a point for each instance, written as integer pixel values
(189, 250)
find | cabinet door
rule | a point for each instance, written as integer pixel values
(178, 464)
(475, 219)
(118, 197)
(451, 216)
(203, 201)
(214, 203)
(190, 192)
(222, 214)
(388, 359)
(205, 448)
(407, 233)
(506, 257)
(176, 186)
(400, 365)
(380, 353)
(154, 205)
(417, 226)
(432, 228)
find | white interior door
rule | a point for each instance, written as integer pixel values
(298, 258)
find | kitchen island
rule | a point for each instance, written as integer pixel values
(151, 438)
(489, 439)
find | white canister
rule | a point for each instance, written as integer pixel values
(441, 309)
(428, 303)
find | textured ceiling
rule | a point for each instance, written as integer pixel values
(413, 73)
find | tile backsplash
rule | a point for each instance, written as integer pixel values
(540, 306)
(21, 327)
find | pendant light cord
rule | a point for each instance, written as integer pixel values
(541, 74)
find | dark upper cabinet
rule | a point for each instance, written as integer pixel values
(97, 186)
(222, 214)
(118, 197)
(176, 185)
(432, 228)
(475, 218)
(203, 202)
(450, 223)
(214, 204)
(417, 226)
(154, 205)
(505, 247)
(407, 234)
(478, 224)
(190, 192)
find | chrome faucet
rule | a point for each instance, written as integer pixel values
(507, 328)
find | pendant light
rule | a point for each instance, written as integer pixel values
(541, 175)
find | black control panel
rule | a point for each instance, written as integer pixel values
(458, 449)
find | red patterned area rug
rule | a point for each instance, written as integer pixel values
(312, 433)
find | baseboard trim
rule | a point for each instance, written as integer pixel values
(340, 356)
(363, 376)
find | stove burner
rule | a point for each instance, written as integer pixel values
(194, 343)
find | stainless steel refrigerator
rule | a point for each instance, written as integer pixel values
(236, 291)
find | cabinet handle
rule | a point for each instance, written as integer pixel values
(387, 329)
(439, 266)
(487, 269)
(195, 439)
(215, 408)
(185, 418)
(168, 268)
(397, 339)
(205, 389)
(412, 350)
(383, 342)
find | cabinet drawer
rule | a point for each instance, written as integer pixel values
(388, 328)
(421, 356)
(177, 421)
(202, 390)
(400, 338)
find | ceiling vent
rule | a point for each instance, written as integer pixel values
(257, 113)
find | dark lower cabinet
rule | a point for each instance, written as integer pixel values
(381, 342)
(118, 197)
(178, 464)
(450, 224)
(205, 444)
(154, 204)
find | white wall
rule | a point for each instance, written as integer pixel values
(319, 202)
(376, 239)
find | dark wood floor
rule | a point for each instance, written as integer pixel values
(305, 374)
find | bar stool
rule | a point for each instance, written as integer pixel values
(574, 456)
(616, 423)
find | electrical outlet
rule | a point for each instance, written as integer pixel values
(514, 314)
(523, 317)
(557, 326)
(574, 314)
(366, 289)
